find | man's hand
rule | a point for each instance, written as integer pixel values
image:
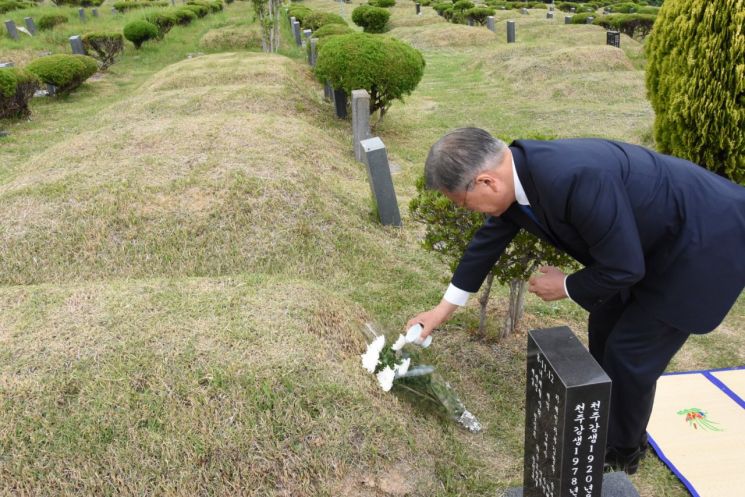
(549, 286)
(432, 318)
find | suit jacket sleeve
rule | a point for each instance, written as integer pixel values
(599, 209)
(483, 252)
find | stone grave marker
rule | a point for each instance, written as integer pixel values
(6, 64)
(510, 31)
(524, 11)
(296, 32)
(313, 51)
(360, 120)
(567, 19)
(10, 26)
(77, 45)
(340, 102)
(470, 21)
(589, 20)
(114, 11)
(173, 2)
(490, 24)
(573, 10)
(567, 403)
(306, 35)
(94, 12)
(549, 15)
(30, 25)
(81, 13)
(613, 38)
(381, 184)
(418, 8)
(328, 92)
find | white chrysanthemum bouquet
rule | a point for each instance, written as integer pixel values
(390, 363)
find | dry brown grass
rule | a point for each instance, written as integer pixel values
(232, 38)
(444, 35)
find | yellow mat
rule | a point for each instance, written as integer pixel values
(698, 429)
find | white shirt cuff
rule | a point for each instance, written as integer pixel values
(456, 296)
(565, 288)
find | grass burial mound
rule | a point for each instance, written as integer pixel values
(183, 288)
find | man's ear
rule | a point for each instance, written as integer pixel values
(489, 179)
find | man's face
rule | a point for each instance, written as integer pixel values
(490, 192)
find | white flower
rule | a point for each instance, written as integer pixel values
(385, 378)
(399, 343)
(403, 367)
(371, 356)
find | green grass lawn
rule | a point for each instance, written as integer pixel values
(188, 254)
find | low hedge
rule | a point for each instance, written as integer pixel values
(463, 5)
(199, 10)
(371, 19)
(104, 47)
(78, 3)
(632, 25)
(50, 21)
(64, 71)
(315, 20)
(17, 87)
(211, 6)
(124, 6)
(624, 8)
(8, 5)
(138, 32)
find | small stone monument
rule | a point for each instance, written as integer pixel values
(30, 25)
(549, 15)
(613, 38)
(94, 12)
(589, 20)
(510, 31)
(524, 11)
(77, 45)
(81, 13)
(360, 120)
(567, 403)
(328, 92)
(573, 10)
(10, 26)
(381, 184)
(470, 21)
(490, 24)
(340, 103)
(313, 51)
(567, 19)
(114, 11)
(296, 32)
(306, 36)
(5, 64)
(418, 8)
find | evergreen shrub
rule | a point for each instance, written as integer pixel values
(184, 16)
(8, 5)
(386, 67)
(632, 25)
(463, 5)
(371, 19)
(331, 30)
(315, 20)
(50, 21)
(124, 6)
(164, 21)
(425, 3)
(382, 3)
(479, 14)
(138, 32)
(696, 83)
(104, 47)
(441, 6)
(64, 71)
(299, 12)
(17, 87)
(78, 3)
(199, 10)
(624, 8)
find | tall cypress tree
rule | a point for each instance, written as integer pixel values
(696, 83)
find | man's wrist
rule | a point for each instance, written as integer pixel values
(456, 296)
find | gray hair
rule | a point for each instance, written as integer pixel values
(455, 160)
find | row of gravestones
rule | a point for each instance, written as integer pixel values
(367, 149)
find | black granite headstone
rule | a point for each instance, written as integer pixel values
(340, 103)
(510, 31)
(567, 406)
(418, 8)
(613, 38)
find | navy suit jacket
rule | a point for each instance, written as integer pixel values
(658, 228)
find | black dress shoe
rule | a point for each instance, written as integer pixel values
(622, 459)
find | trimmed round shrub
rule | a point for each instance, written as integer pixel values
(64, 71)
(199, 10)
(17, 87)
(211, 6)
(315, 20)
(104, 47)
(696, 83)
(624, 8)
(371, 19)
(632, 25)
(463, 5)
(184, 15)
(581, 18)
(299, 12)
(79, 3)
(164, 21)
(331, 30)
(440, 7)
(9, 5)
(387, 68)
(382, 3)
(479, 14)
(138, 32)
(50, 21)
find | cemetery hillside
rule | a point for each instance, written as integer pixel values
(189, 250)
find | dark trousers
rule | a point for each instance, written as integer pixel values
(634, 348)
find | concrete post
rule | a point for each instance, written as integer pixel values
(296, 32)
(381, 183)
(360, 120)
(77, 45)
(490, 24)
(11, 27)
(30, 25)
(510, 31)
(81, 14)
(313, 51)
